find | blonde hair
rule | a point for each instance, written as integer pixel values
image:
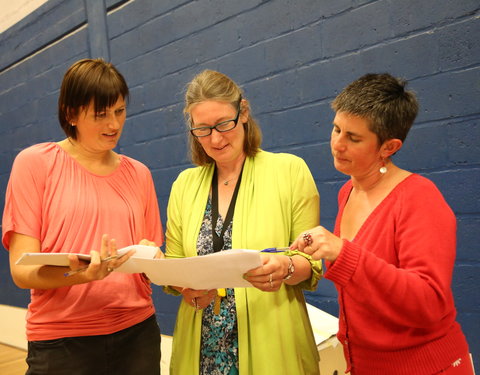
(212, 85)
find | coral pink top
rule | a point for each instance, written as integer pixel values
(53, 198)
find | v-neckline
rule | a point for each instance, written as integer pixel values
(372, 214)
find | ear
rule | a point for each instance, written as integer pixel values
(72, 117)
(390, 147)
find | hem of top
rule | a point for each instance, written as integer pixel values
(59, 334)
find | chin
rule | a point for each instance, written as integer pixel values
(341, 168)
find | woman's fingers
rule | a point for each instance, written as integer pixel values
(73, 262)
(269, 276)
(198, 299)
(159, 254)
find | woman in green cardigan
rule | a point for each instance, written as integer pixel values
(255, 199)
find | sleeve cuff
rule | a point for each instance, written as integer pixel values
(317, 271)
(341, 271)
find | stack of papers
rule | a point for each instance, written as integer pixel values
(224, 269)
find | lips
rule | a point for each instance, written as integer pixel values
(220, 148)
(342, 160)
(113, 134)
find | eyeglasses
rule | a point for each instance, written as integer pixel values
(221, 127)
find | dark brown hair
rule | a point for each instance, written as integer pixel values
(383, 101)
(84, 81)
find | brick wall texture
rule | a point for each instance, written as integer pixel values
(291, 58)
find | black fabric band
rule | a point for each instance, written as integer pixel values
(218, 241)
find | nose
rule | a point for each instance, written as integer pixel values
(216, 136)
(337, 143)
(114, 122)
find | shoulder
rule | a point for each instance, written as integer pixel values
(418, 187)
(279, 157)
(135, 164)
(421, 195)
(194, 174)
(38, 150)
(37, 155)
(281, 160)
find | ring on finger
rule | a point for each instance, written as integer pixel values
(109, 269)
(307, 239)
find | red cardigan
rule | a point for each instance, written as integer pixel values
(397, 314)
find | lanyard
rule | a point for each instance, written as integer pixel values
(218, 241)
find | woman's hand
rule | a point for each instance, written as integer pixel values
(199, 299)
(101, 263)
(159, 254)
(269, 276)
(319, 243)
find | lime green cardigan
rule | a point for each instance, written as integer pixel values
(277, 200)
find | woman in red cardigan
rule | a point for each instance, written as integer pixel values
(392, 252)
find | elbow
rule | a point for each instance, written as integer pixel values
(20, 282)
(435, 313)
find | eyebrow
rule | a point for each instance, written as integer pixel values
(349, 132)
(221, 119)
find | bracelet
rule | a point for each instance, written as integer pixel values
(291, 268)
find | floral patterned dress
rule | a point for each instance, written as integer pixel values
(219, 347)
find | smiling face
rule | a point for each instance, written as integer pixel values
(223, 147)
(100, 131)
(355, 148)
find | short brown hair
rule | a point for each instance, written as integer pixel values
(212, 85)
(84, 81)
(383, 101)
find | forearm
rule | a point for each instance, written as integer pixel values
(45, 277)
(48, 277)
(410, 296)
(37, 277)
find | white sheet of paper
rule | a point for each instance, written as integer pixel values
(61, 259)
(224, 269)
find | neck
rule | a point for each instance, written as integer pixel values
(79, 152)
(373, 179)
(229, 171)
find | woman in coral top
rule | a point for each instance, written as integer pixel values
(63, 197)
(392, 252)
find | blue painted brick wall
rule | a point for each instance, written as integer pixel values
(291, 58)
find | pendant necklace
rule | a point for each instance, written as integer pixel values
(227, 181)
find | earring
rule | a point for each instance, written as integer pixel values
(383, 168)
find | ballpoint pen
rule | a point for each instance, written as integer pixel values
(73, 272)
(275, 250)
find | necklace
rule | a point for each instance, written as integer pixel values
(227, 181)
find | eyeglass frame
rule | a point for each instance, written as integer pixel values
(235, 121)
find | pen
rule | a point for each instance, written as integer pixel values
(275, 250)
(73, 272)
